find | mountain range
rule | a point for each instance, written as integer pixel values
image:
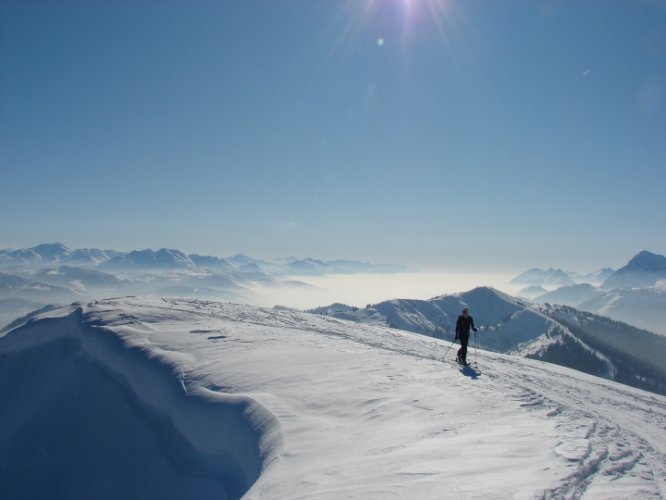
(634, 294)
(52, 254)
(645, 269)
(52, 273)
(550, 277)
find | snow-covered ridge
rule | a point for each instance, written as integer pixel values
(228, 400)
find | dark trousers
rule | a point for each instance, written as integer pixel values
(462, 352)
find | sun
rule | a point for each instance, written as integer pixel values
(396, 23)
(415, 13)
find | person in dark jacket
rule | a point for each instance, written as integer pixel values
(463, 325)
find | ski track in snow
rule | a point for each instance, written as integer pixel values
(612, 447)
(369, 412)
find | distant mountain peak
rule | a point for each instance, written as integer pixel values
(51, 250)
(484, 292)
(643, 270)
(537, 276)
(648, 261)
(241, 259)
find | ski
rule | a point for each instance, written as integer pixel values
(470, 364)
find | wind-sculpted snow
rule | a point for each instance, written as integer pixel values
(100, 414)
(225, 397)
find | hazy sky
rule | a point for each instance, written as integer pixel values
(457, 134)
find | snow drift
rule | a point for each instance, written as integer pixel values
(147, 398)
(93, 415)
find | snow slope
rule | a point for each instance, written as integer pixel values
(148, 398)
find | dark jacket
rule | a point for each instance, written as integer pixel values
(463, 325)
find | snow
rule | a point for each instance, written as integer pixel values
(641, 307)
(230, 400)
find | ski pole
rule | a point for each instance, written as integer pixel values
(449, 349)
(476, 348)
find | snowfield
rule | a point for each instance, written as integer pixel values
(149, 398)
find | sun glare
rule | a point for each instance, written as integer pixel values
(399, 20)
(414, 14)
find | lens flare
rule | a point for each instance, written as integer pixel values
(400, 21)
(412, 15)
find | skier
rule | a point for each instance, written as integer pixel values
(463, 325)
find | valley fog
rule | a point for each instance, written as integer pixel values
(360, 290)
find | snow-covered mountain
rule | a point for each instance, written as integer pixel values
(312, 267)
(163, 258)
(211, 262)
(89, 256)
(23, 256)
(532, 291)
(510, 325)
(641, 307)
(54, 254)
(50, 254)
(44, 253)
(571, 295)
(51, 251)
(147, 398)
(541, 277)
(537, 277)
(596, 277)
(634, 294)
(293, 266)
(645, 269)
(637, 356)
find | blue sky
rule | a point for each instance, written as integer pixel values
(438, 133)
